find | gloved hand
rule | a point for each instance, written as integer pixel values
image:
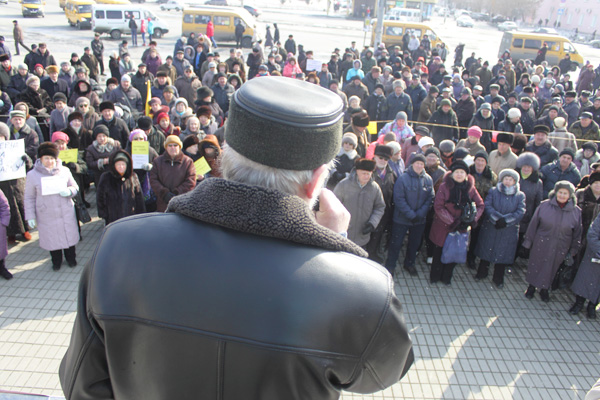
(368, 228)
(569, 261)
(147, 167)
(31, 223)
(65, 193)
(501, 223)
(24, 157)
(73, 167)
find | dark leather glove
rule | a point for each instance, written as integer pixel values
(73, 167)
(501, 223)
(368, 228)
(24, 158)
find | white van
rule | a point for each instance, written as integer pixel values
(403, 15)
(114, 19)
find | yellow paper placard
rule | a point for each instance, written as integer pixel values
(372, 127)
(68, 156)
(140, 147)
(202, 166)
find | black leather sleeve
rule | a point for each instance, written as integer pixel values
(83, 371)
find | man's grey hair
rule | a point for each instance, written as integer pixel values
(235, 167)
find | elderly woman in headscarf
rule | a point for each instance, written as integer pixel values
(553, 237)
(89, 113)
(39, 102)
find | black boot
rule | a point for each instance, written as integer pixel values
(544, 295)
(578, 306)
(530, 292)
(482, 271)
(4, 272)
(591, 310)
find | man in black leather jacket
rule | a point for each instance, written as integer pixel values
(240, 290)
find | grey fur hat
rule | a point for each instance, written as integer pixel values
(508, 172)
(447, 146)
(563, 185)
(530, 159)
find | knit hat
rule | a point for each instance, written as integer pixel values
(173, 139)
(204, 92)
(169, 89)
(417, 157)
(529, 158)
(17, 113)
(75, 115)
(60, 136)
(59, 96)
(395, 146)
(486, 106)
(590, 146)
(204, 111)
(433, 150)
(189, 141)
(137, 132)
(553, 108)
(144, 123)
(383, 151)
(481, 154)
(360, 119)
(594, 176)
(541, 128)
(162, 116)
(434, 89)
(505, 137)
(460, 153)
(445, 102)
(401, 115)
(365, 164)
(567, 151)
(350, 138)
(514, 113)
(126, 78)
(563, 185)
(398, 83)
(48, 149)
(459, 165)
(100, 129)
(107, 105)
(425, 141)
(4, 131)
(447, 146)
(475, 131)
(559, 122)
(422, 130)
(508, 172)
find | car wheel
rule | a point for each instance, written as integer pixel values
(157, 33)
(115, 34)
(596, 45)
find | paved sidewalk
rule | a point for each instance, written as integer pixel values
(472, 341)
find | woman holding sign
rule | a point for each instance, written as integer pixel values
(119, 192)
(142, 171)
(48, 204)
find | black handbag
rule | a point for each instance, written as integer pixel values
(564, 277)
(81, 211)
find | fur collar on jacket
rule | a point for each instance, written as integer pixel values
(487, 172)
(258, 211)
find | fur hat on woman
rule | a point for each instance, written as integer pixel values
(350, 137)
(563, 185)
(459, 165)
(447, 146)
(508, 172)
(530, 159)
(594, 177)
(48, 149)
(365, 164)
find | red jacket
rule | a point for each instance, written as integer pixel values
(210, 29)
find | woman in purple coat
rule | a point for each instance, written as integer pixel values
(4, 221)
(553, 236)
(53, 213)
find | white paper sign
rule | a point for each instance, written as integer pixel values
(139, 153)
(53, 185)
(313, 65)
(11, 164)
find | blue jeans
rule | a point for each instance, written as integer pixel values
(134, 37)
(415, 235)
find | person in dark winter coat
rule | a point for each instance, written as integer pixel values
(455, 192)
(173, 173)
(344, 161)
(399, 101)
(385, 177)
(375, 105)
(586, 285)
(417, 93)
(553, 237)
(528, 166)
(541, 146)
(586, 128)
(413, 198)
(97, 154)
(465, 110)
(499, 233)
(119, 193)
(444, 115)
(117, 128)
(560, 170)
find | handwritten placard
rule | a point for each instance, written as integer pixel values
(313, 65)
(12, 165)
(68, 156)
(53, 185)
(139, 153)
(202, 166)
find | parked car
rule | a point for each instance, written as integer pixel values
(480, 16)
(216, 3)
(498, 19)
(549, 31)
(172, 5)
(465, 21)
(507, 26)
(255, 12)
(595, 43)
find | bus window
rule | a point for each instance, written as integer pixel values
(202, 19)
(518, 43)
(221, 20)
(431, 35)
(99, 14)
(533, 44)
(393, 31)
(114, 14)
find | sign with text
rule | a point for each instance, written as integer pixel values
(313, 65)
(140, 153)
(12, 165)
(68, 156)
(202, 166)
(53, 185)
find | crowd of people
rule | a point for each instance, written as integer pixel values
(508, 154)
